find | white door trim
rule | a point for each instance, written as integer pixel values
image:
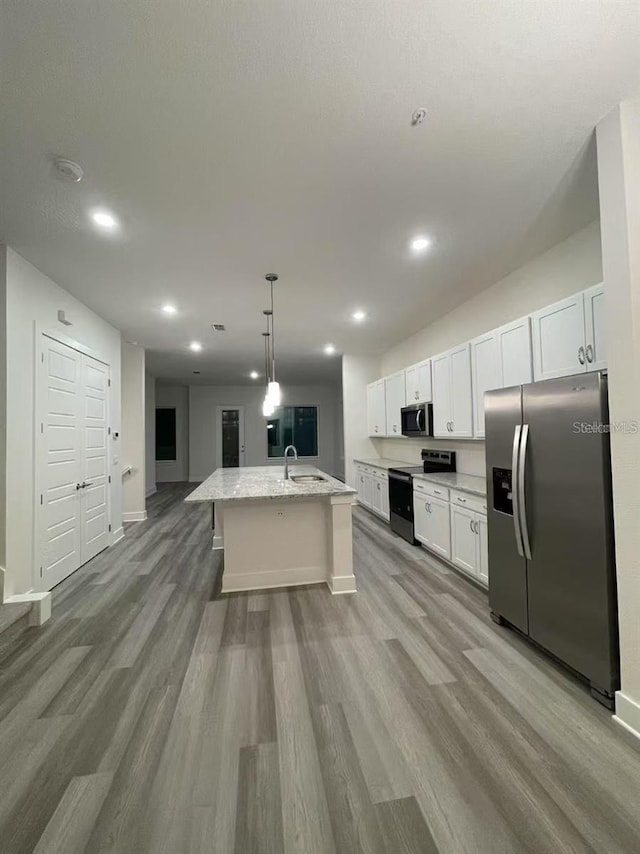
(38, 442)
(219, 410)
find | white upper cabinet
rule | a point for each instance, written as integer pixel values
(418, 383)
(376, 410)
(513, 341)
(569, 336)
(461, 405)
(594, 320)
(441, 373)
(485, 373)
(395, 396)
(559, 340)
(452, 406)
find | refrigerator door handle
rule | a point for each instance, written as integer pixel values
(514, 488)
(522, 503)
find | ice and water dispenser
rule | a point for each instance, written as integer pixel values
(502, 492)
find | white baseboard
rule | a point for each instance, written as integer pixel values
(135, 516)
(273, 578)
(342, 584)
(118, 535)
(40, 606)
(627, 714)
(151, 491)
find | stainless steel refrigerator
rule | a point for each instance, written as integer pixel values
(550, 520)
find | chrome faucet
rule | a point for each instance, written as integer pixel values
(286, 459)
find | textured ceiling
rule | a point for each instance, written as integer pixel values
(236, 138)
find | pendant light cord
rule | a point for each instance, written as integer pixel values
(273, 339)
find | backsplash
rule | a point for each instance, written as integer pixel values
(470, 456)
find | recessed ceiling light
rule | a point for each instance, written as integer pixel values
(419, 244)
(254, 375)
(169, 309)
(196, 346)
(104, 219)
(359, 316)
(329, 349)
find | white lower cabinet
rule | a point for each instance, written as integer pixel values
(483, 565)
(373, 490)
(431, 523)
(380, 496)
(454, 529)
(469, 542)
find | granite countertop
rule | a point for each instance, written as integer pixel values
(383, 463)
(454, 480)
(260, 482)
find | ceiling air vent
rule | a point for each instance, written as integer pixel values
(218, 327)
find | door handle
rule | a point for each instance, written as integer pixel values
(581, 355)
(517, 431)
(85, 484)
(589, 353)
(78, 486)
(522, 501)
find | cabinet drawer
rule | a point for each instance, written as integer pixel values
(381, 473)
(431, 489)
(472, 502)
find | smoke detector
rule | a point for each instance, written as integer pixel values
(218, 327)
(68, 170)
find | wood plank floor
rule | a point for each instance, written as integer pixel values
(149, 716)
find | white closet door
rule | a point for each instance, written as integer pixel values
(94, 492)
(60, 461)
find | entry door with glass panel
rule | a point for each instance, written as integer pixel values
(72, 477)
(230, 436)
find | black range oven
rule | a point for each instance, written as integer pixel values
(401, 489)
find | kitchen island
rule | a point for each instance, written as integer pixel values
(278, 532)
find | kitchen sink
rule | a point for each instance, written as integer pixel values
(307, 478)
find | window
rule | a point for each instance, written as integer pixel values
(166, 435)
(293, 425)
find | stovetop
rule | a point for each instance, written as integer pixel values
(408, 469)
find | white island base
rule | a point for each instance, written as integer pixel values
(285, 542)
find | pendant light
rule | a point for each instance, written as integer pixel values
(273, 389)
(267, 405)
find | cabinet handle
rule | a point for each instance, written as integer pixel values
(378, 487)
(473, 530)
(581, 355)
(437, 492)
(589, 353)
(478, 528)
(461, 500)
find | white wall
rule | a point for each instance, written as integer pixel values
(150, 431)
(357, 372)
(3, 414)
(567, 268)
(203, 403)
(33, 301)
(168, 396)
(618, 137)
(133, 433)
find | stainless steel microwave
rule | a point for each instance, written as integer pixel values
(417, 420)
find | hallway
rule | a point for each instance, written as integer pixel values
(147, 716)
